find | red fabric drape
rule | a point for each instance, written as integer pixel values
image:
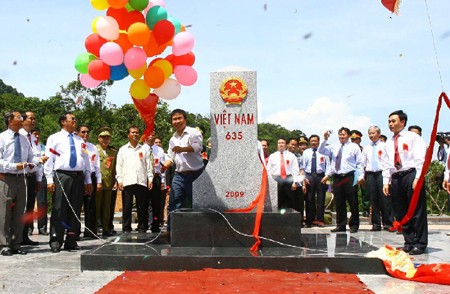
(147, 110)
(397, 225)
(391, 5)
(259, 202)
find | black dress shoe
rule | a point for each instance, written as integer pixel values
(335, 230)
(114, 232)
(30, 242)
(19, 251)
(156, 230)
(353, 230)
(55, 247)
(375, 229)
(107, 234)
(7, 252)
(416, 251)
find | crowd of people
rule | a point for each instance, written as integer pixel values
(81, 176)
(386, 172)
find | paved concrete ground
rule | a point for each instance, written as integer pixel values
(46, 272)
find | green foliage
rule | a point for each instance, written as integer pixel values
(437, 198)
(6, 89)
(273, 132)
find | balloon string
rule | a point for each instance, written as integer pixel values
(434, 46)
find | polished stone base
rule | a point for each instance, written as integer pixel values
(198, 246)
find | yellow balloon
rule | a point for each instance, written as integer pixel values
(138, 73)
(139, 89)
(100, 4)
(166, 67)
(94, 24)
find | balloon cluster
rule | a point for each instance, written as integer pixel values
(126, 42)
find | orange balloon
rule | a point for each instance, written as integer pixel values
(139, 34)
(166, 67)
(123, 42)
(154, 77)
(117, 4)
(152, 48)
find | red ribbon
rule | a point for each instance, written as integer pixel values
(259, 202)
(397, 225)
(147, 109)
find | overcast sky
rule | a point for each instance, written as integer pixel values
(320, 64)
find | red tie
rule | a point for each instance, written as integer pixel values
(397, 160)
(282, 166)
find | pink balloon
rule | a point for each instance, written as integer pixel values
(169, 90)
(152, 3)
(107, 27)
(135, 58)
(87, 81)
(183, 43)
(186, 75)
(111, 53)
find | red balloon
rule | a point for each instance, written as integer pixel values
(93, 43)
(132, 17)
(123, 42)
(119, 15)
(163, 31)
(99, 70)
(186, 59)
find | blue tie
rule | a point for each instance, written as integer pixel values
(73, 152)
(314, 162)
(17, 149)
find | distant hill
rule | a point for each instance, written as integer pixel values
(7, 89)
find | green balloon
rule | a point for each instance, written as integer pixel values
(138, 5)
(176, 23)
(82, 62)
(155, 14)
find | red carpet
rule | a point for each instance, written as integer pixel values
(234, 281)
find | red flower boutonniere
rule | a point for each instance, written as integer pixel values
(380, 153)
(322, 159)
(156, 161)
(287, 161)
(405, 147)
(83, 148)
(109, 161)
(53, 151)
(93, 157)
(141, 155)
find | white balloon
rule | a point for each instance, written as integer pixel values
(107, 27)
(169, 90)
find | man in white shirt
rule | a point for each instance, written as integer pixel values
(184, 151)
(157, 199)
(68, 174)
(316, 166)
(346, 168)
(373, 164)
(134, 174)
(89, 200)
(404, 159)
(283, 167)
(34, 177)
(16, 157)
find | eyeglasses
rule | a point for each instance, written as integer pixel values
(85, 132)
(72, 119)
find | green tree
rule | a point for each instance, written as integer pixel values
(273, 132)
(437, 198)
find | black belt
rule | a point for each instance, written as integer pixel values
(14, 175)
(402, 173)
(316, 174)
(373, 173)
(72, 173)
(188, 172)
(345, 175)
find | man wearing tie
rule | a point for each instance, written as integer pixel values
(283, 167)
(316, 167)
(34, 177)
(404, 159)
(346, 167)
(16, 157)
(372, 159)
(68, 174)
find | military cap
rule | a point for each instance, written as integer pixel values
(104, 132)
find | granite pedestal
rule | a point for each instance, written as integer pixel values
(203, 239)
